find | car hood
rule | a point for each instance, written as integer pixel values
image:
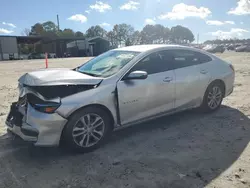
(49, 77)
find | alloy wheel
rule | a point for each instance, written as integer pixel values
(214, 97)
(88, 130)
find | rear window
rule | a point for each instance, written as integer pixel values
(203, 58)
(186, 58)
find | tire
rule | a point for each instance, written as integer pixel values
(76, 135)
(215, 92)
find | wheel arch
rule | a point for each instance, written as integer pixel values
(63, 141)
(221, 82)
(100, 106)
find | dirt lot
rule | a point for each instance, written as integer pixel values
(184, 150)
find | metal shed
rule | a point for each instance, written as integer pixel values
(8, 47)
(99, 45)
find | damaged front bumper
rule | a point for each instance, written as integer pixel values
(43, 129)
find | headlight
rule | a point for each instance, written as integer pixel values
(41, 105)
(46, 108)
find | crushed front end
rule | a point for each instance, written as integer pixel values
(34, 118)
(36, 115)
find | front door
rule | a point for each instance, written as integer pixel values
(139, 99)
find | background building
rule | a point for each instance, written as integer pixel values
(11, 47)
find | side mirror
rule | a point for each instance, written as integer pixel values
(137, 75)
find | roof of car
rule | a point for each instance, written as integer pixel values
(143, 48)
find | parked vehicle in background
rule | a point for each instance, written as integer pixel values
(116, 89)
(243, 48)
(216, 49)
(36, 56)
(231, 47)
(11, 57)
(51, 55)
(66, 54)
(21, 57)
(208, 46)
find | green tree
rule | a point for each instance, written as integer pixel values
(79, 34)
(113, 41)
(159, 32)
(95, 31)
(136, 38)
(155, 34)
(37, 29)
(148, 34)
(180, 34)
(26, 48)
(166, 35)
(48, 29)
(49, 26)
(123, 33)
(66, 33)
(128, 42)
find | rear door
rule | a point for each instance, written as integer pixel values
(140, 99)
(205, 67)
(188, 83)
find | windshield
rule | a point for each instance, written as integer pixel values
(107, 64)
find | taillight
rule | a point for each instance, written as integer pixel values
(232, 67)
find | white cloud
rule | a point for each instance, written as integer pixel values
(5, 31)
(104, 24)
(100, 6)
(230, 22)
(9, 24)
(214, 22)
(78, 18)
(87, 11)
(131, 5)
(234, 32)
(218, 23)
(182, 11)
(149, 21)
(243, 8)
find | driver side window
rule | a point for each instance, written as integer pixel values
(153, 63)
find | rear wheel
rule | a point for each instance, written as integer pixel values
(213, 97)
(87, 129)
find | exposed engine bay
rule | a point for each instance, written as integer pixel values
(61, 91)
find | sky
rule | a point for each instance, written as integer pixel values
(210, 19)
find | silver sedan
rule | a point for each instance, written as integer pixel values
(119, 88)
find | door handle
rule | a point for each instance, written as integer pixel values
(167, 79)
(203, 72)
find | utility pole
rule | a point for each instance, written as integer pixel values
(58, 24)
(198, 38)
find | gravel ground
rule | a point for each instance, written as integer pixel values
(188, 149)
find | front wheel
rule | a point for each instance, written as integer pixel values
(87, 129)
(213, 97)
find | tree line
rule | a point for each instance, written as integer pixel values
(121, 34)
